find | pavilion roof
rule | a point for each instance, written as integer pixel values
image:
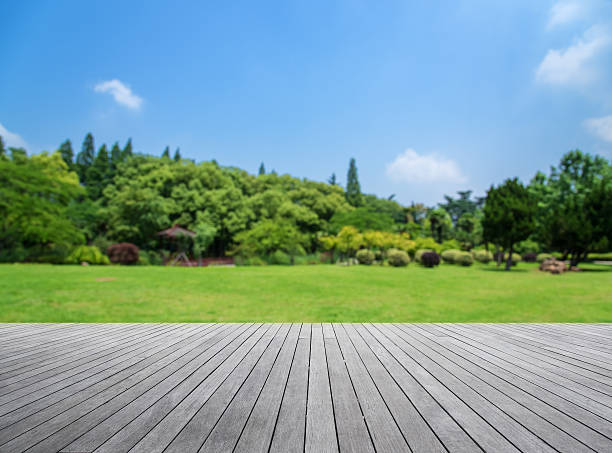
(176, 230)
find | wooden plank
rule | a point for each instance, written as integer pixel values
(320, 424)
(224, 436)
(506, 402)
(386, 435)
(63, 429)
(445, 427)
(290, 429)
(259, 429)
(353, 434)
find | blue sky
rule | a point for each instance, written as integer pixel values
(429, 97)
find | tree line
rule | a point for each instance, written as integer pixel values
(52, 202)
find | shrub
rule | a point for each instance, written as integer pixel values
(397, 258)
(419, 254)
(87, 254)
(516, 258)
(123, 253)
(450, 256)
(464, 259)
(279, 257)
(451, 244)
(430, 259)
(428, 244)
(543, 257)
(530, 257)
(308, 259)
(483, 256)
(527, 246)
(365, 256)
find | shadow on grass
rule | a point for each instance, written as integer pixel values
(503, 269)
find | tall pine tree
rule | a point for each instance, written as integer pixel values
(177, 155)
(353, 189)
(332, 180)
(127, 151)
(85, 158)
(262, 169)
(166, 153)
(67, 154)
(2, 148)
(98, 174)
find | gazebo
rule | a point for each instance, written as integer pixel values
(175, 236)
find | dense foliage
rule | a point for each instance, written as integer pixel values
(51, 203)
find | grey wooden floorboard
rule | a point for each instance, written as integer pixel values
(555, 375)
(386, 435)
(290, 429)
(305, 387)
(320, 424)
(353, 434)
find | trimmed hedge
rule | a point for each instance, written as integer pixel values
(419, 254)
(482, 256)
(397, 258)
(450, 256)
(464, 259)
(430, 259)
(365, 256)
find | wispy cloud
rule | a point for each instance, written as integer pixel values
(566, 11)
(575, 65)
(121, 92)
(12, 139)
(600, 127)
(411, 166)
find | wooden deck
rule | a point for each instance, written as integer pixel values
(295, 387)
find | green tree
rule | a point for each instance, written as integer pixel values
(439, 223)
(332, 180)
(127, 150)
(166, 153)
(353, 189)
(177, 155)
(85, 157)
(462, 205)
(269, 236)
(2, 148)
(67, 154)
(98, 174)
(566, 217)
(363, 219)
(34, 194)
(508, 215)
(262, 169)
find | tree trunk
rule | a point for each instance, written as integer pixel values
(509, 260)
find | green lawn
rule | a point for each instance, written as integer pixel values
(44, 293)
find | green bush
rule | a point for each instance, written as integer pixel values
(87, 254)
(543, 257)
(527, 246)
(397, 258)
(419, 254)
(482, 256)
(279, 257)
(143, 258)
(450, 256)
(464, 259)
(308, 259)
(365, 256)
(428, 244)
(451, 244)
(516, 258)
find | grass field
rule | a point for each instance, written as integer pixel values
(45, 293)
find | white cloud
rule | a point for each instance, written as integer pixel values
(413, 167)
(574, 65)
(122, 93)
(600, 127)
(12, 139)
(567, 11)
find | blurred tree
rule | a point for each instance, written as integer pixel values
(67, 154)
(508, 215)
(85, 157)
(353, 189)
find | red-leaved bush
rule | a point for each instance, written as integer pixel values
(123, 253)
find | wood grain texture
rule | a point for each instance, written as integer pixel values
(298, 387)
